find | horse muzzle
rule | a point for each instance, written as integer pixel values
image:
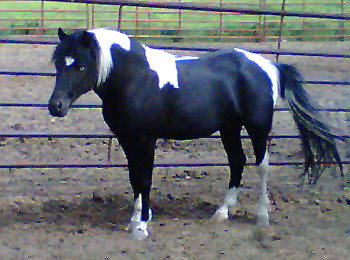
(58, 108)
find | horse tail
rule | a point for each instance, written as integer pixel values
(317, 141)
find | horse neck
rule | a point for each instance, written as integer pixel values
(127, 69)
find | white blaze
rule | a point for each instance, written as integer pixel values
(69, 60)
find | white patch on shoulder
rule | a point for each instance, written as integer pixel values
(69, 60)
(164, 64)
(268, 67)
(105, 39)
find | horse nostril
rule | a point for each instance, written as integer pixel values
(57, 108)
(59, 105)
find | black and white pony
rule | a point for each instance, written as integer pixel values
(149, 94)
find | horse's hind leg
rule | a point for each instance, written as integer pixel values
(236, 158)
(264, 203)
(259, 137)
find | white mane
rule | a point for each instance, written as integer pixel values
(105, 39)
(163, 63)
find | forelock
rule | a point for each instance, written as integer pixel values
(65, 48)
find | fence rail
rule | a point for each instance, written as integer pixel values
(50, 74)
(123, 165)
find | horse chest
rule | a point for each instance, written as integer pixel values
(130, 118)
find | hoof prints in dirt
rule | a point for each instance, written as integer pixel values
(108, 212)
(111, 211)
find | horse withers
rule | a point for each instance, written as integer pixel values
(148, 94)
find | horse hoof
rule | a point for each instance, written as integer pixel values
(132, 225)
(138, 234)
(219, 216)
(263, 220)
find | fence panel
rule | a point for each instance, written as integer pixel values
(43, 17)
(139, 15)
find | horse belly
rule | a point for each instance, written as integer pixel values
(189, 124)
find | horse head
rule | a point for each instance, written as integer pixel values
(75, 59)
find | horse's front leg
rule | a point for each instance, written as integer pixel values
(136, 215)
(140, 156)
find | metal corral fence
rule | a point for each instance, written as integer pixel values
(137, 18)
(167, 6)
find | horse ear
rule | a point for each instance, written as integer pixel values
(87, 39)
(61, 34)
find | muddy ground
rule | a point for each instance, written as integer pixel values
(82, 213)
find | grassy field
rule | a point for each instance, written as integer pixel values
(24, 17)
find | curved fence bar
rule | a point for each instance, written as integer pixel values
(167, 20)
(191, 6)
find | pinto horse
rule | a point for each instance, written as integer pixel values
(148, 94)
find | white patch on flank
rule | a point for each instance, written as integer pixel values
(268, 67)
(229, 201)
(69, 60)
(105, 39)
(164, 64)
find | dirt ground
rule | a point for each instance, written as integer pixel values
(82, 213)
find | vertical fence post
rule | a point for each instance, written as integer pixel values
(93, 15)
(136, 20)
(221, 20)
(262, 21)
(42, 17)
(342, 23)
(120, 12)
(280, 32)
(303, 28)
(179, 15)
(87, 17)
(109, 149)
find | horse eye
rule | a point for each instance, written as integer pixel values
(82, 68)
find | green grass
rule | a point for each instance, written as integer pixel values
(194, 24)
